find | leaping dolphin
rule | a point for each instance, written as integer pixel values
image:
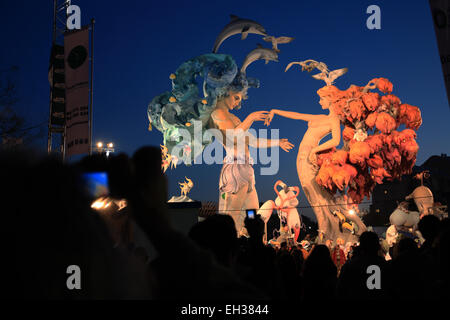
(238, 25)
(259, 53)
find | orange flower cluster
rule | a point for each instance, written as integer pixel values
(384, 85)
(410, 116)
(359, 152)
(385, 122)
(371, 100)
(383, 152)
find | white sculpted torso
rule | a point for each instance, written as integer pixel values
(234, 149)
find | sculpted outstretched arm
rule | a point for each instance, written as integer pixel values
(252, 117)
(268, 143)
(224, 122)
(231, 131)
(255, 142)
(292, 115)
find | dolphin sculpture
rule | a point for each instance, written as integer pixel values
(238, 25)
(259, 53)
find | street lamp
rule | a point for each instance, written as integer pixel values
(100, 148)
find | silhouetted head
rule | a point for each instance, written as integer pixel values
(216, 233)
(255, 227)
(429, 227)
(406, 245)
(319, 256)
(369, 243)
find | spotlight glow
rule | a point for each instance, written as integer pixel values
(101, 203)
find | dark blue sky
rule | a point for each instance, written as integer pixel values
(139, 43)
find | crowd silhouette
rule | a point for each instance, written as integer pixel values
(51, 225)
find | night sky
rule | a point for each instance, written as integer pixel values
(139, 43)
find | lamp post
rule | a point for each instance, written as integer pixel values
(104, 148)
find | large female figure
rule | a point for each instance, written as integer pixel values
(237, 179)
(177, 113)
(323, 202)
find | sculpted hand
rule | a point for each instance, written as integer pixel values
(269, 117)
(286, 145)
(258, 115)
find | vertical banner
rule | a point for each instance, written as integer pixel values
(57, 83)
(76, 53)
(440, 11)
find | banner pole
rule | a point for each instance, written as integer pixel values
(49, 135)
(91, 86)
(64, 129)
